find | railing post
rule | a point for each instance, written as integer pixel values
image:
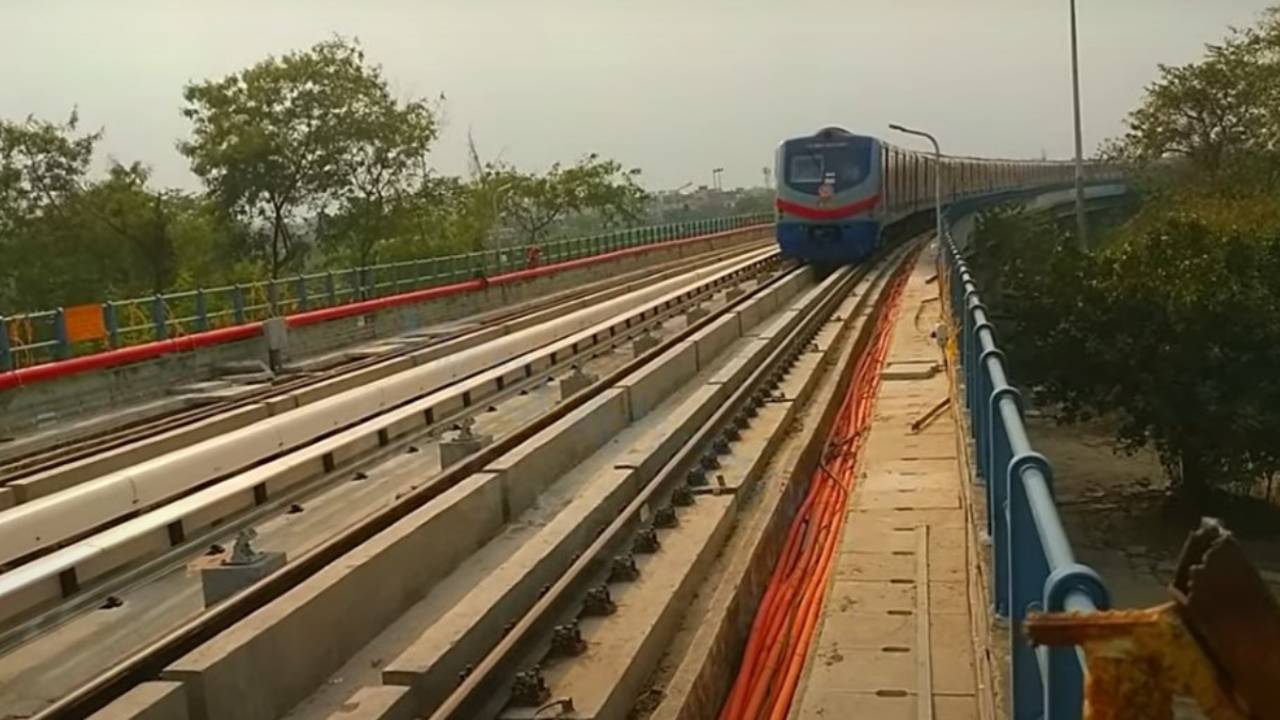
(300, 290)
(159, 328)
(202, 311)
(273, 298)
(1028, 570)
(357, 284)
(1000, 455)
(1064, 688)
(330, 288)
(111, 321)
(237, 303)
(62, 348)
(6, 352)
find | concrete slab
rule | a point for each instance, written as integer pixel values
(876, 628)
(7, 498)
(380, 702)
(712, 340)
(432, 664)
(623, 648)
(536, 463)
(299, 639)
(148, 701)
(680, 418)
(647, 386)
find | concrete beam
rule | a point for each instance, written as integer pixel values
(714, 338)
(266, 664)
(379, 702)
(542, 459)
(431, 665)
(649, 385)
(148, 701)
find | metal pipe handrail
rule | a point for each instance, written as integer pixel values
(1034, 565)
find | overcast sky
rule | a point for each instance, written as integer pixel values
(675, 87)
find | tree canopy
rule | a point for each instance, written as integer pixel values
(308, 160)
(1173, 328)
(1217, 112)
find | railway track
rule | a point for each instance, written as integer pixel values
(136, 436)
(582, 348)
(574, 650)
(627, 552)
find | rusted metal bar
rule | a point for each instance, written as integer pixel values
(1215, 643)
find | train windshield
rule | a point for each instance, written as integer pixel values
(843, 164)
(806, 168)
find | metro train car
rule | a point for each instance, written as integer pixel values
(837, 191)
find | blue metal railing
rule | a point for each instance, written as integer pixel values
(32, 338)
(1034, 567)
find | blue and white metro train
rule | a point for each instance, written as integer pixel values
(837, 191)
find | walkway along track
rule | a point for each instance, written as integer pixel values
(148, 662)
(90, 453)
(525, 676)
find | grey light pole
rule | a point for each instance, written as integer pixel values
(1081, 228)
(715, 177)
(937, 174)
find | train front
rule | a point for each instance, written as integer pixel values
(828, 192)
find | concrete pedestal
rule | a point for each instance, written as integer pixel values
(694, 314)
(452, 451)
(574, 382)
(644, 344)
(222, 581)
(733, 293)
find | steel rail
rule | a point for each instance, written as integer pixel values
(485, 690)
(59, 454)
(148, 662)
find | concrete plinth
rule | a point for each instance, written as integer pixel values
(453, 451)
(733, 293)
(222, 581)
(694, 314)
(575, 382)
(644, 344)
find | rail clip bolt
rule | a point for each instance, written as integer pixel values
(682, 496)
(665, 517)
(697, 477)
(623, 568)
(741, 421)
(530, 688)
(598, 602)
(646, 542)
(710, 461)
(721, 445)
(566, 640)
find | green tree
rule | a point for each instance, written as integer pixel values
(141, 220)
(1174, 329)
(1217, 112)
(309, 135)
(534, 203)
(42, 166)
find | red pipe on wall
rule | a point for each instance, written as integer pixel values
(186, 343)
(121, 356)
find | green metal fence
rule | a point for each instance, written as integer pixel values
(32, 338)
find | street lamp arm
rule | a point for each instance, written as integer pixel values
(937, 173)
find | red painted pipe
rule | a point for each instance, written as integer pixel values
(121, 356)
(186, 343)
(364, 307)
